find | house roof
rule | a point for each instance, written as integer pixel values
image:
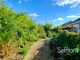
(67, 23)
(71, 22)
(77, 20)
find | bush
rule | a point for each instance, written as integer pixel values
(41, 31)
(18, 28)
(47, 28)
(70, 40)
(24, 51)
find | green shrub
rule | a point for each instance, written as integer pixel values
(16, 27)
(41, 31)
(24, 51)
(70, 40)
(47, 28)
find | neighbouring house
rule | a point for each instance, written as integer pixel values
(72, 25)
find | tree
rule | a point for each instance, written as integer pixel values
(57, 29)
(47, 28)
(2, 3)
(41, 31)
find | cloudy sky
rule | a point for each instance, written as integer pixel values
(56, 12)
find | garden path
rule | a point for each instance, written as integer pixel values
(39, 51)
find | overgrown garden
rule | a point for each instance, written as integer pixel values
(18, 31)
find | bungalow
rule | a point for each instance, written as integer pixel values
(72, 25)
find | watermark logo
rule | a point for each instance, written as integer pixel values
(68, 50)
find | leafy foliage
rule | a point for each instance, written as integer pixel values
(70, 40)
(41, 31)
(47, 28)
(18, 28)
(57, 29)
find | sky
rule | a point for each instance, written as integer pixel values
(56, 12)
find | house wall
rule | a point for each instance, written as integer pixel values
(76, 26)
